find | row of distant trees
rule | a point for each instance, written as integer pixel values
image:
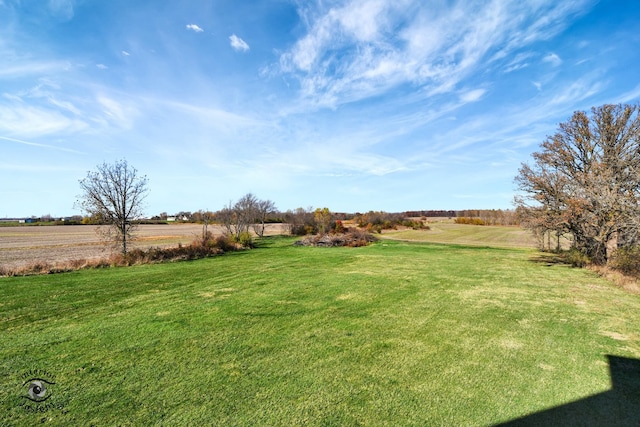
(113, 195)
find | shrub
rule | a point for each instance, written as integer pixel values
(416, 225)
(627, 261)
(200, 248)
(224, 243)
(576, 258)
(352, 239)
(469, 221)
(245, 240)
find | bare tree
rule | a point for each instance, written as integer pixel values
(205, 217)
(300, 221)
(263, 209)
(237, 218)
(114, 193)
(226, 217)
(586, 180)
(245, 213)
(248, 212)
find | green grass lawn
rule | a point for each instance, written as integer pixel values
(397, 333)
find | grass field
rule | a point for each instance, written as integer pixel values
(446, 231)
(397, 333)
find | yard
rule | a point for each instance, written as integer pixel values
(397, 333)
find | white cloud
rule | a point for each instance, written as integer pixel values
(35, 144)
(101, 66)
(538, 85)
(238, 44)
(579, 90)
(519, 62)
(194, 27)
(366, 47)
(472, 95)
(62, 9)
(22, 68)
(553, 59)
(65, 106)
(120, 114)
(125, 53)
(31, 121)
(630, 96)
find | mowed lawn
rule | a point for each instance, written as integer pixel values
(397, 333)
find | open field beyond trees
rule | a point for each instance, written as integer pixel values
(445, 231)
(24, 245)
(59, 243)
(396, 333)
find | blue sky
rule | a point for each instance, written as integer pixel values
(355, 105)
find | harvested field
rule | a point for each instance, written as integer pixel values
(24, 245)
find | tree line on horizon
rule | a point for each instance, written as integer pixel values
(113, 195)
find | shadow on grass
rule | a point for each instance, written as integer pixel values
(619, 406)
(275, 241)
(550, 259)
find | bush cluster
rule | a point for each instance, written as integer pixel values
(469, 221)
(201, 248)
(179, 253)
(353, 239)
(245, 240)
(627, 261)
(378, 221)
(576, 258)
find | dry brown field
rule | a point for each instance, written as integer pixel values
(443, 230)
(23, 245)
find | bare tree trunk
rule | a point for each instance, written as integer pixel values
(612, 245)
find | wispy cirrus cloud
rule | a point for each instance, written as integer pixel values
(22, 68)
(39, 145)
(238, 44)
(63, 9)
(115, 113)
(366, 47)
(35, 121)
(520, 61)
(472, 95)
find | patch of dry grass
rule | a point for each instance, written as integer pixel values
(628, 283)
(461, 234)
